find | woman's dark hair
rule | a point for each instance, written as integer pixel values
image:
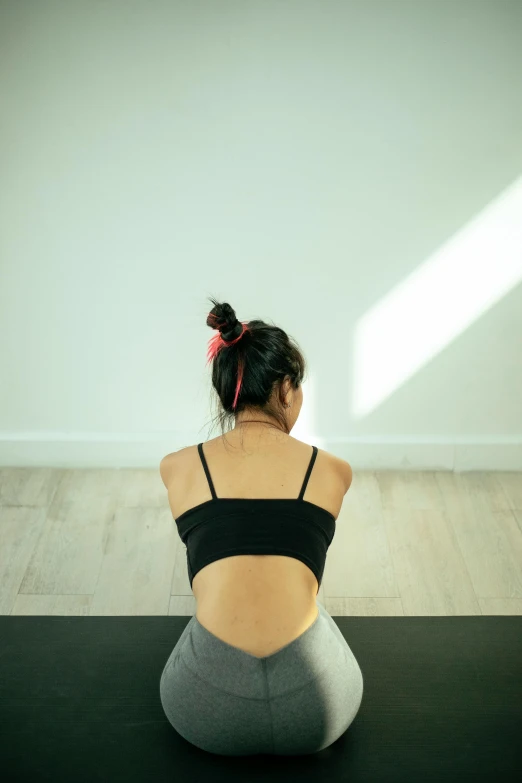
(257, 363)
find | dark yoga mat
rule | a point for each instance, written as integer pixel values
(79, 701)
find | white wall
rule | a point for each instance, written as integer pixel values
(300, 160)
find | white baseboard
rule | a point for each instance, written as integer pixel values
(145, 450)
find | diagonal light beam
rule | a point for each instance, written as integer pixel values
(442, 297)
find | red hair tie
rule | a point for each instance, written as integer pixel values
(217, 342)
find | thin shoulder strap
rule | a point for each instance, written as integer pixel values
(205, 466)
(310, 466)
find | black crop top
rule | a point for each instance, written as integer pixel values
(223, 527)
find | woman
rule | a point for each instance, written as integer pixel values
(261, 668)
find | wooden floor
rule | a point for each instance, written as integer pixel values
(103, 542)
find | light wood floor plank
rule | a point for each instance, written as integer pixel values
(80, 542)
(136, 570)
(487, 533)
(431, 573)
(28, 486)
(69, 552)
(20, 530)
(512, 485)
(359, 562)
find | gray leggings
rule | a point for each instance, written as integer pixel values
(296, 701)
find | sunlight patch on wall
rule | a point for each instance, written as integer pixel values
(445, 294)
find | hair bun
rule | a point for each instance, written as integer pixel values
(222, 317)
